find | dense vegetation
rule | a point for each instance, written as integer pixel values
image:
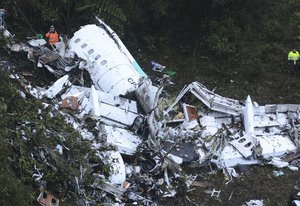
(221, 28)
(241, 41)
(239, 46)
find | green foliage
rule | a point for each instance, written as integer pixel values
(273, 30)
(77, 13)
(35, 15)
(28, 141)
(66, 15)
(294, 24)
(110, 10)
(219, 46)
(3, 41)
(148, 27)
(269, 52)
(222, 37)
(293, 2)
(47, 10)
(12, 191)
(254, 70)
(106, 169)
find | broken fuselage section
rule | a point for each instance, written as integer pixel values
(100, 51)
(231, 132)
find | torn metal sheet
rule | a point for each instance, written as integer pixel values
(184, 150)
(209, 125)
(3, 29)
(263, 126)
(147, 95)
(190, 125)
(107, 187)
(210, 99)
(20, 47)
(53, 60)
(296, 202)
(124, 140)
(114, 161)
(157, 67)
(245, 144)
(94, 100)
(37, 42)
(272, 146)
(254, 203)
(248, 114)
(215, 193)
(107, 98)
(60, 47)
(58, 86)
(230, 157)
(113, 110)
(276, 145)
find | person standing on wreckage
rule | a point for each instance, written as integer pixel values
(52, 37)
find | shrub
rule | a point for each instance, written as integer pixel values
(222, 37)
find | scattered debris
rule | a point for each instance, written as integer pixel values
(213, 192)
(161, 68)
(47, 199)
(138, 144)
(277, 173)
(70, 102)
(157, 67)
(295, 196)
(254, 203)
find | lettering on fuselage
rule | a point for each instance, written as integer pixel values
(131, 81)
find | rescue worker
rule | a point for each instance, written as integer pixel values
(293, 59)
(52, 36)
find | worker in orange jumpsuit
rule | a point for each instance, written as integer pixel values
(52, 36)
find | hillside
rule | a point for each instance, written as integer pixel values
(236, 50)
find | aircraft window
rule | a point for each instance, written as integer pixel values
(97, 57)
(91, 51)
(77, 40)
(103, 62)
(44, 195)
(248, 144)
(53, 201)
(83, 45)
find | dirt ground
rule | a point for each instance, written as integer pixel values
(252, 183)
(271, 86)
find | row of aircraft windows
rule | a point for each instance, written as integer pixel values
(91, 51)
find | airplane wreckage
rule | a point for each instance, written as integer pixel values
(132, 115)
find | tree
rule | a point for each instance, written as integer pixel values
(66, 15)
